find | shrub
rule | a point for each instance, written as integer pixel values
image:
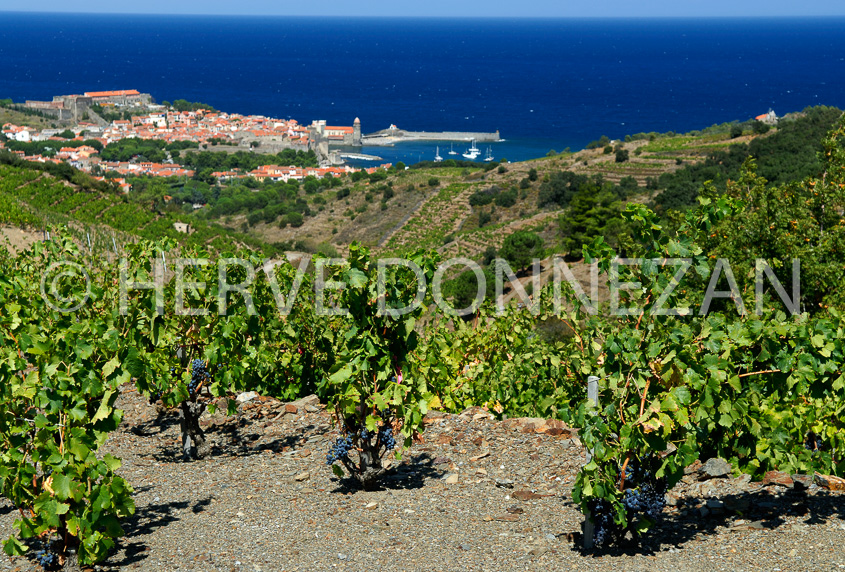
(759, 127)
(520, 248)
(506, 199)
(295, 219)
(484, 218)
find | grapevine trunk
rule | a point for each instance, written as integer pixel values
(194, 442)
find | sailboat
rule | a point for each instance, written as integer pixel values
(472, 152)
(437, 157)
(452, 149)
(489, 155)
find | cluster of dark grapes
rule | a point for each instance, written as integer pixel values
(648, 499)
(48, 560)
(604, 529)
(199, 374)
(644, 495)
(813, 442)
(385, 437)
(340, 450)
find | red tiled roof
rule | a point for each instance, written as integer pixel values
(112, 93)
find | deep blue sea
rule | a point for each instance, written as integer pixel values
(545, 84)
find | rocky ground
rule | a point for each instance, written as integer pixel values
(476, 495)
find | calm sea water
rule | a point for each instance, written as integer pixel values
(545, 84)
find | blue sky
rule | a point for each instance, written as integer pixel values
(453, 8)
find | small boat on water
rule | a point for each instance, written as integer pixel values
(489, 156)
(452, 149)
(473, 152)
(437, 157)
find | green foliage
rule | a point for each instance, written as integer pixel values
(184, 105)
(760, 128)
(792, 152)
(110, 113)
(802, 221)
(744, 387)
(270, 341)
(603, 141)
(560, 188)
(371, 383)
(520, 248)
(506, 198)
(622, 155)
(464, 289)
(484, 218)
(49, 200)
(788, 155)
(491, 194)
(59, 378)
(502, 363)
(294, 219)
(591, 215)
(245, 161)
(50, 148)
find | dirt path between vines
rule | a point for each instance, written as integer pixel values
(477, 495)
(16, 240)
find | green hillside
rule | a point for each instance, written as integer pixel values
(38, 196)
(460, 208)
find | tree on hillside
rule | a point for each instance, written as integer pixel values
(795, 221)
(591, 215)
(464, 289)
(520, 248)
(760, 127)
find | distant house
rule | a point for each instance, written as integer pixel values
(769, 118)
(182, 227)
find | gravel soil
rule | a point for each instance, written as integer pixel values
(475, 495)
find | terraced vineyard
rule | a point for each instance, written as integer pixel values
(438, 217)
(30, 198)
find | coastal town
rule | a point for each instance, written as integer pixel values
(202, 129)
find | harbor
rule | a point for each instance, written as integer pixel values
(393, 135)
(410, 152)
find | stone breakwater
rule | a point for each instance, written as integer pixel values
(393, 136)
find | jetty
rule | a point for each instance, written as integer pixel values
(360, 157)
(393, 135)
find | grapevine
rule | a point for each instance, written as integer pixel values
(47, 559)
(375, 444)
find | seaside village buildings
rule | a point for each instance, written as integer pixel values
(247, 132)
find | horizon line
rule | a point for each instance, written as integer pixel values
(442, 17)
